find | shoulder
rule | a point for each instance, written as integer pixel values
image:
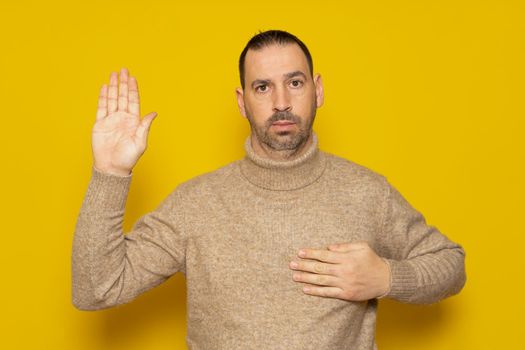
(354, 186)
(208, 182)
(349, 171)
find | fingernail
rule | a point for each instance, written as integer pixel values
(293, 264)
(302, 253)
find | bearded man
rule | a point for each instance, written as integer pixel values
(290, 247)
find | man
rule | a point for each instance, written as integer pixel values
(288, 248)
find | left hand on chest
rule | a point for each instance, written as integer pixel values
(349, 271)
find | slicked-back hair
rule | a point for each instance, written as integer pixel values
(270, 37)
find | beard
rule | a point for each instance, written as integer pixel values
(285, 140)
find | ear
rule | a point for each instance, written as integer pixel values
(240, 100)
(319, 91)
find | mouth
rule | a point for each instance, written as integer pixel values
(283, 123)
(283, 126)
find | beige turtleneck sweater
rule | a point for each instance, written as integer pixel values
(233, 232)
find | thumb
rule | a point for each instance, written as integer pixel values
(143, 129)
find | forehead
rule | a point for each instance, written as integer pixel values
(274, 61)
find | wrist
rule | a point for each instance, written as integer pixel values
(115, 172)
(388, 280)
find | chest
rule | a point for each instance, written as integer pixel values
(252, 244)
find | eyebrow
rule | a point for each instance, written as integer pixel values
(295, 74)
(260, 81)
(287, 76)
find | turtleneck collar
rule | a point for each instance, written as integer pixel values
(283, 175)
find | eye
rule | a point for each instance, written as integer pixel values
(261, 88)
(296, 83)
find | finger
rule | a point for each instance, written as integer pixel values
(330, 292)
(144, 126)
(315, 267)
(123, 91)
(112, 92)
(346, 247)
(312, 278)
(321, 255)
(134, 100)
(102, 109)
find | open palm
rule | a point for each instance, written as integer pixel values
(119, 136)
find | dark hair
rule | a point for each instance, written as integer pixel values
(268, 38)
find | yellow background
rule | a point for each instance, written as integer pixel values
(428, 93)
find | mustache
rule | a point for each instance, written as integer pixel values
(283, 115)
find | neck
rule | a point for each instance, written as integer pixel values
(278, 175)
(266, 151)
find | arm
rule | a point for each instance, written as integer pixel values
(110, 268)
(425, 265)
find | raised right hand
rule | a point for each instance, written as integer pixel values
(119, 136)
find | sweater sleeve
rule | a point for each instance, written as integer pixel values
(111, 268)
(425, 265)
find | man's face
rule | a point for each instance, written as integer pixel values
(280, 98)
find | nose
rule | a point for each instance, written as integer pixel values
(281, 100)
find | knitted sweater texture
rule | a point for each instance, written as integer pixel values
(232, 232)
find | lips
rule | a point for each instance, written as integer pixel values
(283, 126)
